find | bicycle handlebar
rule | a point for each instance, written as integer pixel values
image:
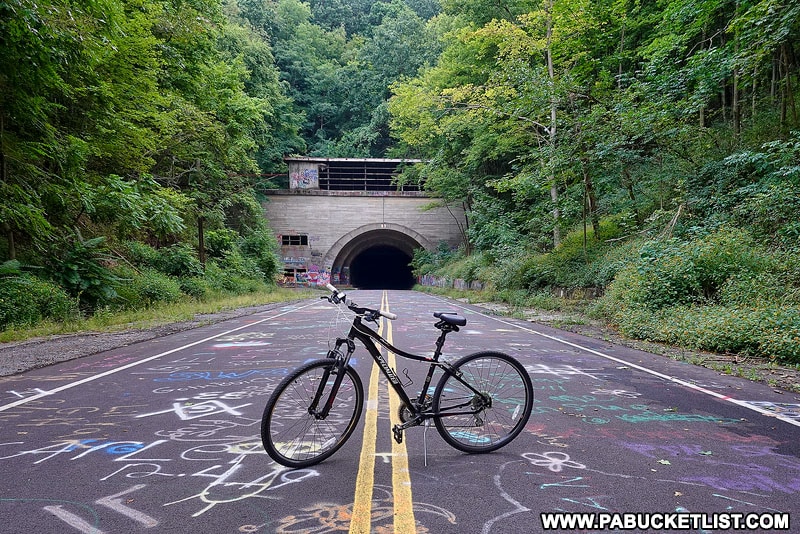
(338, 297)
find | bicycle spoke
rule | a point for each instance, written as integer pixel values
(498, 391)
(295, 437)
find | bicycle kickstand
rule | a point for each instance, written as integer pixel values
(425, 441)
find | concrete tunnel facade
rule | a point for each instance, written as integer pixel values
(359, 231)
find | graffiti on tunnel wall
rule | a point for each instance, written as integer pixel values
(304, 179)
(313, 276)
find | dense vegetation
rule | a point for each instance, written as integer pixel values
(649, 150)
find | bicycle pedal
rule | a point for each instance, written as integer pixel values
(398, 434)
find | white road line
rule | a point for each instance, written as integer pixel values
(140, 362)
(743, 404)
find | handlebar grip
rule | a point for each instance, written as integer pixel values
(389, 315)
(331, 288)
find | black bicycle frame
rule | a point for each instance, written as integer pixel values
(367, 336)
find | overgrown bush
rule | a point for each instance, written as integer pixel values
(27, 300)
(673, 272)
(220, 242)
(196, 287)
(145, 288)
(428, 262)
(261, 248)
(769, 331)
(153, 286)
(81, 268)
(230, 281)
(179, 260)
(580, 261)
(770, 210)
(716, 292)
(236, 264)
(140, 254)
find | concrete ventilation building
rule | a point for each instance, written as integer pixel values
(345, 221)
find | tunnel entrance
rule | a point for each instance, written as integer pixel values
(381, 267)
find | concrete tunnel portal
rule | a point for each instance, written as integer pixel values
(378, 259)
(349, 222)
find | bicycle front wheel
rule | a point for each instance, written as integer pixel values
(293, 432)
(484, 403)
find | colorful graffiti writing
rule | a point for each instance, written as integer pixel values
(304, 179)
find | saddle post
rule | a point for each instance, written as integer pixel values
(445, 328)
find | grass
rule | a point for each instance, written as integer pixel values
(542, 300)
(110, 321)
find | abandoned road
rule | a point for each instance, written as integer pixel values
(164, 436)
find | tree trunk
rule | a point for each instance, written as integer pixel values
(735, 105)
(627, 183)
(703, 107)
(724, 99)
(553, 115)
(773, 81)
(789, 87)
(621, 50)
(591, 198)
(201, 241)
(12, 249)
(737, 119)
(783, 76)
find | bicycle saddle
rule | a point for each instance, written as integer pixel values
(451, 318)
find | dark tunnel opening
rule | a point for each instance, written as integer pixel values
(381, 267)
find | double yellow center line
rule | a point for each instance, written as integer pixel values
(361, 519)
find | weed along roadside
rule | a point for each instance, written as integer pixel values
(51, 343)
(575, 315)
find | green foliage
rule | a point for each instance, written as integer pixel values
(236, 264)
(136, 207)
(673, 272)
(26, 300)
(196, 287)
(768, 331)
(221, 242)
(140, 254)
(580, 261)
(427, 262)
(145, 288)
(223, 280)
(129, 121)
(716, 292)
(178, 260)
(261, 248)
(81, 268)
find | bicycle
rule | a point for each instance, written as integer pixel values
(480, 404)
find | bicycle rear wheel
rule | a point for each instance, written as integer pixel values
(294, 436)
(498, 409)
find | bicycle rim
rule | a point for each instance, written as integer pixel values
(296, 438)
(498, 377)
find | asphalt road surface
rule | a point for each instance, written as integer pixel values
(163, 436)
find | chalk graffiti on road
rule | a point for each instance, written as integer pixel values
(187, 410)
(561, 371)
(554, 461)
(327, 517)
(785, 410)
(224, 489)
(220, 375)
(113, 502)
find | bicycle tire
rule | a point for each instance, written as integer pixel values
(507, 384)
(294, 437)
